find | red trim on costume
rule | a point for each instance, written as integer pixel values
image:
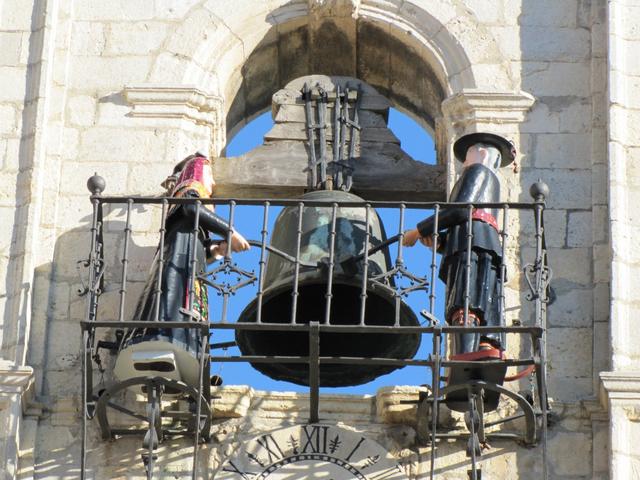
(484, 216)
(457, 318)
(489, 354)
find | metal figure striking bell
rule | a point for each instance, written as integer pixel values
(346, 295)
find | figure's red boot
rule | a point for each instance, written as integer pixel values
(487, 370)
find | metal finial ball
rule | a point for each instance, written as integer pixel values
(96, 184)
(539, 190)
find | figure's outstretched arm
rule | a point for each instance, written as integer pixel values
(446, 218)
(208, 220)
(469, 187)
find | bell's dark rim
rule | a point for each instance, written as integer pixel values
(310, 278)
(507, 149)
(334, 377)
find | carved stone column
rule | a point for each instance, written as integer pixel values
(620, 394)
(476, 111)
(14, 382)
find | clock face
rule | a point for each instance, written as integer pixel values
(311, 451)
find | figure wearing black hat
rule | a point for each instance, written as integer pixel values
(482, 155)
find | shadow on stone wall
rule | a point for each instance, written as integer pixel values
(56, 335)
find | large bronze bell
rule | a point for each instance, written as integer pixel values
(346, 301)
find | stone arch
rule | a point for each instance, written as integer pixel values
(417, 53)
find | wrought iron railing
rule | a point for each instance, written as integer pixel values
(536, 273)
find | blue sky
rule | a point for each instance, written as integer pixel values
(417, 143)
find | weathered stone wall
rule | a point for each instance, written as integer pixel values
(126, 88)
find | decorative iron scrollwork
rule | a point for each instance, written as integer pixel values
(227, 268)
(530, 271)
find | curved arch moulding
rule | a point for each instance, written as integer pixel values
(234, 51)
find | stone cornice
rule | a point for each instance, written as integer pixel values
(477, 106)
(623, 386)
(14, 379)
(174, 101)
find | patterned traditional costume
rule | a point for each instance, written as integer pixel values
(173, 352)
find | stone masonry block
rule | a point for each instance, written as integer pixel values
(168, 68)
(60, 336)
(75, 174)
(601, 299)
(557, 14)
(51, 437)
(631, 64)
(233, 401)
(508, 39)
(8, 191)
(600, 450)
(78, 211)
(632, 89)
(11, 48)
(13, 82)
(569, 389)
(67, 146)
(7, 217)
(486, 11)
(571, 264)
(579, 115)
(599, 145)
(88, 38)
(569, 188)
(8, 120)
(16, 15)
(627, 338)
(3, 155)
(624, 125)
(573, 307)
(102, 144)
(173, 9)
(145, 179)
(107, 73)
(599, 184)
(554, 44)
(602, 263)
(633, 165)
(571, 454)
(563, 151)
(24, 51)
(118, 10)
(57, 103)
(82, 110)
(570, 352)
(540, 120)
(555, 222)
(139, 38)
(193, 30)
(600, 110)
(393, 407)
(559, 79)
(579, 230)
(71, 248)
(116, 114)
(601, 350)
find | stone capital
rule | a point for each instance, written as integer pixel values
(470, 107)
(14, 380)
(174, 101)
(620, 386)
